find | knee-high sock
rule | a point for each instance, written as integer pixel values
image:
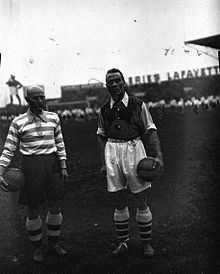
(121, 219)
(53, 222)
(144, 222)
(34, 229)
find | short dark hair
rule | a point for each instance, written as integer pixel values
(114, 70)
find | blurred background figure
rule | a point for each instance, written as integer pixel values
(14, 86)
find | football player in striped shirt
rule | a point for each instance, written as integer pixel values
(38, 135)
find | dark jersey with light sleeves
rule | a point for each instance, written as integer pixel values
(126, 120)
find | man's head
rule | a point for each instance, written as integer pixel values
(115, 83)
(12, 76)
(35, 97)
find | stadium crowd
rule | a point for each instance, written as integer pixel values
(180, 105)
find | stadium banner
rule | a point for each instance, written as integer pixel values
(176, 75)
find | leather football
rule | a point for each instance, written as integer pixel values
(148, 169)
(14, 179)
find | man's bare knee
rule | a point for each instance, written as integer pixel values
(33, 212)
(54, 207)
(142, 199)
(121, 199)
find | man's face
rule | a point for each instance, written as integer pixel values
(115, 85)
(37, 103)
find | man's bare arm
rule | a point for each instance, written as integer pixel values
(152, 145)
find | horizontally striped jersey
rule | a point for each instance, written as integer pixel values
(35, 135)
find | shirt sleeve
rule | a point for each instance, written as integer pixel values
(61, 151)
(100, 130)
(147, 118)
(10, 146)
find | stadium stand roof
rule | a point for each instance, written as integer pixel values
(210, 41)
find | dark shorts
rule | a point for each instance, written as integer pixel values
(42, 180)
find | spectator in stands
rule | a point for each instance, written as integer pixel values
(14, 86)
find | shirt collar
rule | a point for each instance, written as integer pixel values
(33, 117)
(124, 100)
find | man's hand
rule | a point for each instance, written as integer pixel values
(64, 174)
(153, 148)
(161, 163)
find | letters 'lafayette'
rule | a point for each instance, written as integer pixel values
(176, 75)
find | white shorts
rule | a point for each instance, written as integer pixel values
(13, 90)
(121, 159)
